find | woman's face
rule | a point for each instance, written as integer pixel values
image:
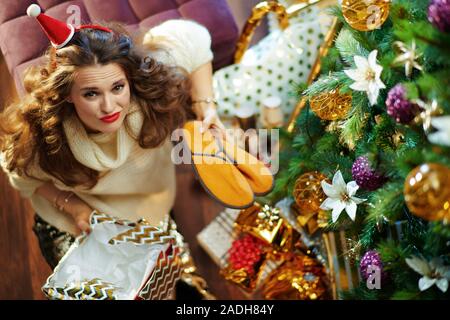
(101, 95)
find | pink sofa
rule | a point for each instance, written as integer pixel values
(22, 41)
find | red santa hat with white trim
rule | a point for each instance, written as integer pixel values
(59, 33)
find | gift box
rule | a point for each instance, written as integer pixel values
(263, 222)
(118, 260)
(216, 239)
(245, 262)
(299, 278)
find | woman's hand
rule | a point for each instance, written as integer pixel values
(202, 95)
(210, 119)
(81, 220)
(68, 203)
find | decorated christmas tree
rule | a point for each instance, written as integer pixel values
(371, 146)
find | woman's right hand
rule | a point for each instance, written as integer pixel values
(76, 208)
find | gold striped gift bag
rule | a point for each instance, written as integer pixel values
(87, 270)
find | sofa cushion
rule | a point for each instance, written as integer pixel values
(145, 9)
(159, 18)
(111, 10)
(13, 9)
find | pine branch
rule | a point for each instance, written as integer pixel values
(406, 295)
(369, 130)
(352, 128)
(386, 202)
(383, 132)
(360, 293)
(327, 83)
(348, 47)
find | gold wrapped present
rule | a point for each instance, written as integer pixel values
(242, 278)
(264, 223)
(246, 258)
(300, 278)
(216, 239)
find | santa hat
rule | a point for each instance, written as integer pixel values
(59, 33)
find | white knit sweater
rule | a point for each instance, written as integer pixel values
(135, 183)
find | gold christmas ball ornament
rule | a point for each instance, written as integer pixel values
(365, 15)
(427, 192)
(308, 193)
(331, 105)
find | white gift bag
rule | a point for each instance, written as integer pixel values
(118, 260)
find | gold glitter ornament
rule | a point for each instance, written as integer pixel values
(365, 15)
(308, 193)
(331, 105)
(427, 192)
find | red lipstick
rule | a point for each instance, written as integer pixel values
(111, 118)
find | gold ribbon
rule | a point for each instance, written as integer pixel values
(264, 223)
(283, 15)
(236, 276)
(241, 278)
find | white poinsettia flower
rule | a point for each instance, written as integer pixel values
(442, 136)
(434, 272)
(367, 76)
(340, 196)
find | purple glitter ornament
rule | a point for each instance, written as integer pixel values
(370, 262)
(439, 14)
(398, 107)
(366, 177)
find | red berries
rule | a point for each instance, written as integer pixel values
(245, 253)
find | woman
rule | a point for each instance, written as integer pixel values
(92, 133)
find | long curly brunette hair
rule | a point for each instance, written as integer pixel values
(31, 131)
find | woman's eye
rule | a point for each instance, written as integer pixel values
(89, 94)
(119, 87)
